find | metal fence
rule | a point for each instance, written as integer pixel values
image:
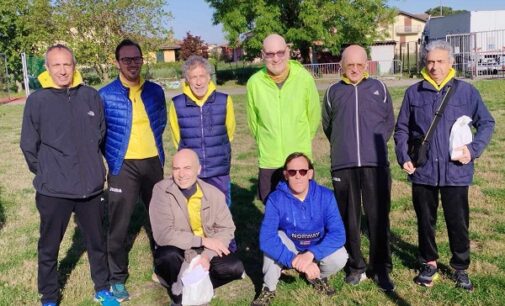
(375, 69)
(479, 54)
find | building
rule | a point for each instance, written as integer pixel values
(168, 54)
(478, 40)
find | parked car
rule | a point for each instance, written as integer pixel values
(488, 66)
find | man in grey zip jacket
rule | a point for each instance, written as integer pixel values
(358, 121)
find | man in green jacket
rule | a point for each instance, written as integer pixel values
(283, 111)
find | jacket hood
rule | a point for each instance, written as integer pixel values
(186, 89)
(47, 82)
(427, 78)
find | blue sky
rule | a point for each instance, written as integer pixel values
(196, 15)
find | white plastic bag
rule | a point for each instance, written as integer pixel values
(197, 288)
(460, 135)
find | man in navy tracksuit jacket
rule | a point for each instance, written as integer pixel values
(441, 175)
(358, 120)
(301, 229)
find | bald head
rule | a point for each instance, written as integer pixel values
(274, 40)
(185, 168)
(354, 63)
(275, 54)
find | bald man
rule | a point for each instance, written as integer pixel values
(283, 111)
(190, 217)
(358, 121)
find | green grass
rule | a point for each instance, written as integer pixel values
(19, 223)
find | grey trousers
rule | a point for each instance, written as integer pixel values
(329, 265)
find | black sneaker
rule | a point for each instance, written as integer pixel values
(264, 298)
(321, 285)
(462, 280)
(427, 276)
(384, 281)
(354, 278)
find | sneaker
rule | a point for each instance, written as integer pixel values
(49, 304)
(155, 278)
(462, 280)
(105, 298)
(119, 292)
(321, 285)
(384, 281)
(264, 298)
(354, 278)
(427, 276)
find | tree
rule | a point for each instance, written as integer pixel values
(25, 26)
(193, 45)
(326, 23)
(94, 28)
(445, 10)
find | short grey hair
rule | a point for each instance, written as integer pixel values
(192, 62)
(60, 46)
(440, 45)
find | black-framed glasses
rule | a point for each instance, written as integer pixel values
(292, 172)
(270, 55)
(129, 60)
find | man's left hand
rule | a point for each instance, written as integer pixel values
(302, 260)
(466, 156)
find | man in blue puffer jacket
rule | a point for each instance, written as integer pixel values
(441, 174)
(136, 116)
(302, 229)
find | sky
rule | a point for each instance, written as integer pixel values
(195, 16)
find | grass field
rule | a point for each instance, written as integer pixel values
(19, 223)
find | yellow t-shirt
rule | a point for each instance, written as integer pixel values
(141, 143)
(194, 211)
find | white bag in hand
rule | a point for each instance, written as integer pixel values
(197, 288)
(460, 135)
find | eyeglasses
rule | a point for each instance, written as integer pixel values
(270, 55)
(129, 60)
(292, 172)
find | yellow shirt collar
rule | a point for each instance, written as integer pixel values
(187, 91)
(347, 81)
(134, 87)
(47, 82)
(427, 77)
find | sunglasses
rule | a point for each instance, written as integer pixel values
(292, 172)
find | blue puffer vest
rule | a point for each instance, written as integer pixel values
(118, 118)
(203, 129)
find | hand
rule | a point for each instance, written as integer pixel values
(302, 260)
(204, 262)
(409, 167)
(466, 156)
(216, 246)
(312, 271)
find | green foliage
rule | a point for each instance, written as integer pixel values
(445, 10)
(94, 28)
(325, 23)
(25, 26)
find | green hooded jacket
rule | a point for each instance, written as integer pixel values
(285, 120)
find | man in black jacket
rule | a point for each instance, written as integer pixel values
(358, 121)
(63, 127)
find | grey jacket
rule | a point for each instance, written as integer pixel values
(169, 216)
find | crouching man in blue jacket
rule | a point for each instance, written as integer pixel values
(302, 229)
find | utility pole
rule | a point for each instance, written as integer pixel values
(440, 8)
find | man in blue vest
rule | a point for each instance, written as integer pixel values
(136, 116)
(202, 119)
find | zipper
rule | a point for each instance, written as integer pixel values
(202, 142)
(358, 153)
